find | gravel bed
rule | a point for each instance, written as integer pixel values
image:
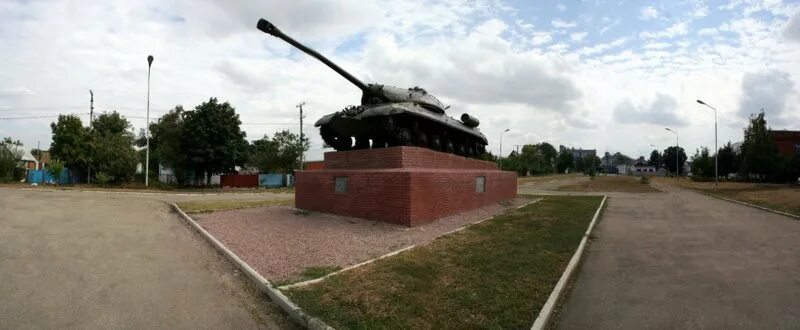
(280, 242)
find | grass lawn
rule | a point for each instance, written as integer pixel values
(781, 197)
(221, 205)
(496, 274)
(611, 183)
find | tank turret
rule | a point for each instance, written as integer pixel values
(391, 116)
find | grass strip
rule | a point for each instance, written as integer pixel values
(496, 274)
(222, 205)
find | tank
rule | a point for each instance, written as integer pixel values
(392, 116)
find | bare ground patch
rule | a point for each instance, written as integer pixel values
(614, 183)
(781, 197)
(286, 245)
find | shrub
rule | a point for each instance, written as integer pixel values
(55, 167)
(102, 178)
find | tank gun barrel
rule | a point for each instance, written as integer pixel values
(268, 28)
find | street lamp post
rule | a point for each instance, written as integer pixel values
(500, 156)
(677, 154)
(716, 148)
(147, 126)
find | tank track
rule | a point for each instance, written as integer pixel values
(406, 130)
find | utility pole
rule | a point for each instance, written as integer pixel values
(716, 148)
(91, 119)
(302, 151)
(147, 125)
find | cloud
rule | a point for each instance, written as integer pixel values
(792, 29)
(675, 30)
(578, 36)
(541, 38)
(662, 111)
(561, 7)
(769, 90)
(561, 24)
(649, 13)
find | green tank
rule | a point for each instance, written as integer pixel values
(392, 116)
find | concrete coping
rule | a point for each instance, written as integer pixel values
(549, 306)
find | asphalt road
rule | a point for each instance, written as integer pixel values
(682, 260)
(72, 259)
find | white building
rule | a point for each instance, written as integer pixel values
(636, 167)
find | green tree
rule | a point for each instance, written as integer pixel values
(113, 151)
(281, 153)
(165, 143)
(669, 156)
(71, 143)
(702, 164)
(10, 156)
(565, 161)
(727, 160)
(655, 159)
(212, 139)
(55, 167)
(760, 159)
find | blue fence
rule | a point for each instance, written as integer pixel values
(44, 177)
(272, 180)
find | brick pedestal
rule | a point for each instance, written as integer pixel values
(404, 185)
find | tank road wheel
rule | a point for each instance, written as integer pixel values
(436, 143)
(362, 142)
(460, 149)
(422, 140)
(343, 143)
(404, 136)
(378, 142)
(469, 152)
(448, 147)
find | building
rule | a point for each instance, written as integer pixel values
(581, 153)
(788, 142)
(636, 167)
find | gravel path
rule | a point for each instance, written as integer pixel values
(280, 242)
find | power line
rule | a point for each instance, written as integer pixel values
(44, 116)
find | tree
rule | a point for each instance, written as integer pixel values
(113, 152)
(760, 157)
(538, 158)
(281, 153)
(165, 143)
(702, 164)
(10, 156)
(655, 159)
(71, 143)
(670, 155)
(212, 139)
(727, 160)
(565, 161)
(619, 158)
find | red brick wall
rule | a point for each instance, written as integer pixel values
(406, 191)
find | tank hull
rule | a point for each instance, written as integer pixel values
(399, 124)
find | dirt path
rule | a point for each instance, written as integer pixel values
(95, 260)
(680, 259)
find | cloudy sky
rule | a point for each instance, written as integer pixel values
(604, 74)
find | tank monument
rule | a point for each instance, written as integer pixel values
(399, 158)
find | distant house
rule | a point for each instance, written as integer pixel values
(788, 142)
(636, 167)
(28, 162)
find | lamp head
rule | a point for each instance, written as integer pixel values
(149, 60)
(701, 102)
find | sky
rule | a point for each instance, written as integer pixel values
(600, 74)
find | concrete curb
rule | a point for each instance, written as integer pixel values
(320, 279)
(751, 205)
(262, 283)
(547, 310)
